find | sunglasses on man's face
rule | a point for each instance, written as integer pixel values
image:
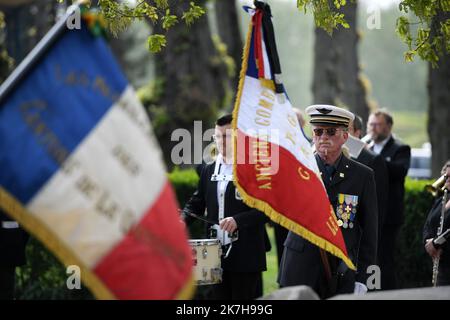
(330, 131)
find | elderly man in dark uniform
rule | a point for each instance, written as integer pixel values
(217, 194)
(397, 157)
(351, 191)
(12, 250)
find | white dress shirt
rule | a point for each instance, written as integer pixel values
(225, 171)
(377, 147)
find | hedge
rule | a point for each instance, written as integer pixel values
(43, 277)
(413, 264)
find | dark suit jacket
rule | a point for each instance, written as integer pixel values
(431, 226)
(378, 165)
(12, 244)
(249, 251)
(398, 157)
(301, 263)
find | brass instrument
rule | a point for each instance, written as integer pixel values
(437, 187)
(439, 231)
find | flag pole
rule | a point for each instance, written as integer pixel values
(35, 54)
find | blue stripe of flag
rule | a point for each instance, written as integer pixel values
(251, 63)
(77, 81)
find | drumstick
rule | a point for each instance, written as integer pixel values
(199, 217)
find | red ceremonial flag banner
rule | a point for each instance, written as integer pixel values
(275, 168)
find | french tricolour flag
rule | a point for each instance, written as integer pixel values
(275, 169)
(81, 169)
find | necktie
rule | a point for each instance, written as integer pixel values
(330, 171)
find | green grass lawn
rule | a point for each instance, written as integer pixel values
(270, 276)
(411, 127)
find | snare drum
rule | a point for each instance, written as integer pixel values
(206, 255)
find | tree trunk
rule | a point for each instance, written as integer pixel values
(6, 62)
(439, 105)
(26, 25)
(229, 33)
(192, 79)
(336, 70)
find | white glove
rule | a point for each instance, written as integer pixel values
(360, 288)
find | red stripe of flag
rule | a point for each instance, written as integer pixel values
(153, 261)
(301, 200)
(259, 57)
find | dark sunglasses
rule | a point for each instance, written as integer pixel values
(330, 132)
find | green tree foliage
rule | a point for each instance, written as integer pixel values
(326, 15)
(416, 34)
(120, 14)
(6, 62)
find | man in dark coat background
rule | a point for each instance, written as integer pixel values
(397, 157)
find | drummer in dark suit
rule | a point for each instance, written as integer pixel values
(351, 189)
(217, 194)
